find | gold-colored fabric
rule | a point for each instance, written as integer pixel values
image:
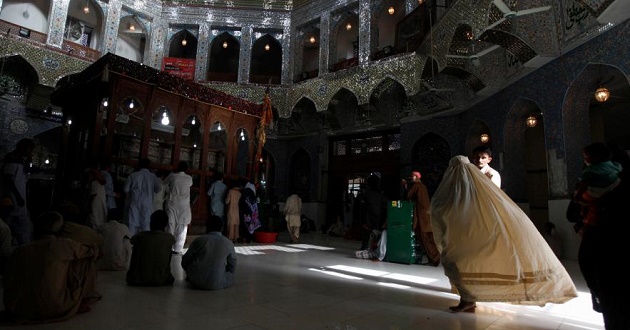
(491, 251)
(50, 286)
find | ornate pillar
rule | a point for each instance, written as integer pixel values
(365, 35)
(157, 40)
(110, 33)
(324, 43)
(57, 23)
(245, 54)
(203, 51)
(286, 56)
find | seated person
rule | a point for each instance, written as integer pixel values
(117, 246)
(41, 289)
(73, 229)
(377, 246)
(210, 261)
(151, 255)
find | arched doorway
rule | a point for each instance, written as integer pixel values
(266, 61)
(224, 58)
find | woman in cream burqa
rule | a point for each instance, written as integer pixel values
(490, 249)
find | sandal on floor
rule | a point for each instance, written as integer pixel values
(464, 306)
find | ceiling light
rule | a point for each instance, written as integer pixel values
(193, 121)
(225, 44)
(131, 104)
(484, 138)
(348, 26)
(312, 40)
(531, 121)
(267, 47)
(165, 120)
(132, 27)
(420, 2)
(86, 9)
(184, 42)
(105, 103)
(602, 94)
(391, 10)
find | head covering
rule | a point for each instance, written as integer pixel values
(251, 186)
(416, 173)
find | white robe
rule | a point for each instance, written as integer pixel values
(490, 249)
(177, 206)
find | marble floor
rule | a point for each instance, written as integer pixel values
(317, 284)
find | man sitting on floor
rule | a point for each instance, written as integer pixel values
(210, 261)
(151, 256)
(46, 280)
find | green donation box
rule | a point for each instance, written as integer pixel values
(400, 236)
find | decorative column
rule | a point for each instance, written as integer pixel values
(201, 66)
(365, 37)
(158, 40)
(324, 43)
(286, 56)
(57, 24)
(110, 33)
(245, 54)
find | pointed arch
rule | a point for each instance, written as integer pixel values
(183, 44)
(132, 38)
(585, 120)
(304, 117)
(19, 78)
(342, 109)
(475, 130)
(515, 148)
(344, 43)
(386, 102)
(224, 56)
(266, 61)
(383, 26)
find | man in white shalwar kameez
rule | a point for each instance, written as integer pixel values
(490, 249)
(177, 206)
(140, 187)
(293, 216)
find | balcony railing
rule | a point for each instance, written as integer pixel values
(38, 39)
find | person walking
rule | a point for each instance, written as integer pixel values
(140, 187)
(217, 193)
(95, 197)
(293, 215)
(422, 227)
(177, 189)
(490, 249)
(233, 214)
